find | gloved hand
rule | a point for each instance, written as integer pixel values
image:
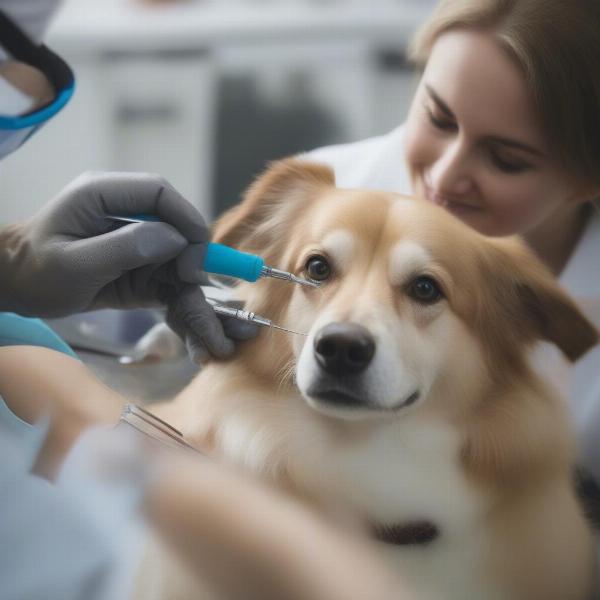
(181, 314)
(70, 258)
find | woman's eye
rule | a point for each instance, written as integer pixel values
(507, 165)
(439, 121)
(425, 290)
(317, 268)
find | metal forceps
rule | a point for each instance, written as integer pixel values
(153, 427)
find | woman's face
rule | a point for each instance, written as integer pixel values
(474, 144)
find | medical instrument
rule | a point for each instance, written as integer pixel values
(223, 260)
(244, 315)
(157, 429)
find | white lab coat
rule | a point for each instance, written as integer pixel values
(379, 163)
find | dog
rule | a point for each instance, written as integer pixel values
(410, 403)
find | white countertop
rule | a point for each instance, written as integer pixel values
(92, 26)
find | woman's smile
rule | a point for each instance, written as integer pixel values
(454, 205)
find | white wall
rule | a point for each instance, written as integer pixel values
(147, 86)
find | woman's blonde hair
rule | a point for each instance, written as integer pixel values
(556, 45)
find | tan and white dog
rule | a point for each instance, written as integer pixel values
(411, 403)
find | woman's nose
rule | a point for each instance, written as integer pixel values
(451, 174)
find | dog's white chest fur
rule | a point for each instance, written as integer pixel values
(405, 471)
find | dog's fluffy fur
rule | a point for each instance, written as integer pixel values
(485, 452)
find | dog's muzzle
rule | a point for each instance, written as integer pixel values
(342, 351)
(342, 354)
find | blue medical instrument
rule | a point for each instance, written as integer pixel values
(223, 260)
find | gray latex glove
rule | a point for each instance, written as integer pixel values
(70, 258)
(181, 313)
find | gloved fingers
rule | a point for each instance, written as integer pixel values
(239, 330)
(234, 329)
(175, 274)
(146, 286)
(196, 351)
(205, 329)
(190, 264)
(109, 255)
(194, 320)
(144, 193)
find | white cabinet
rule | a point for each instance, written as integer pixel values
(163, 119)
(151, 112)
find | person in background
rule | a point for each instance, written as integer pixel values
(504, 133)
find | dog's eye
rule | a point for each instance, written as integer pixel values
(317, 268)
(425, 290)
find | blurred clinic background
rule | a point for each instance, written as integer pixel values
(204, 92)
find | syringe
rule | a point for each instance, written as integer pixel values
(245, 315)
(223, 260)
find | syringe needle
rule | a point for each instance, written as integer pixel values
(244, 315)
(267, 271)
(288, 330)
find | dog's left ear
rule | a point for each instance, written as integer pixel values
(271, 206)
(549, 312)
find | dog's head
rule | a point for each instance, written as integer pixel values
(413, 309)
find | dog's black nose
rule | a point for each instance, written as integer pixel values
(344, 348)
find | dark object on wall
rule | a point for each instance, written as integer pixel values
(253, 129)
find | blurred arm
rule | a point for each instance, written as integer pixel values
(249, 542)
(36, 382)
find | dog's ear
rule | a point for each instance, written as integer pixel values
(558, 319)
(271, 205)
(541, 307)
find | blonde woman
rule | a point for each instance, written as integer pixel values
(504, 132)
